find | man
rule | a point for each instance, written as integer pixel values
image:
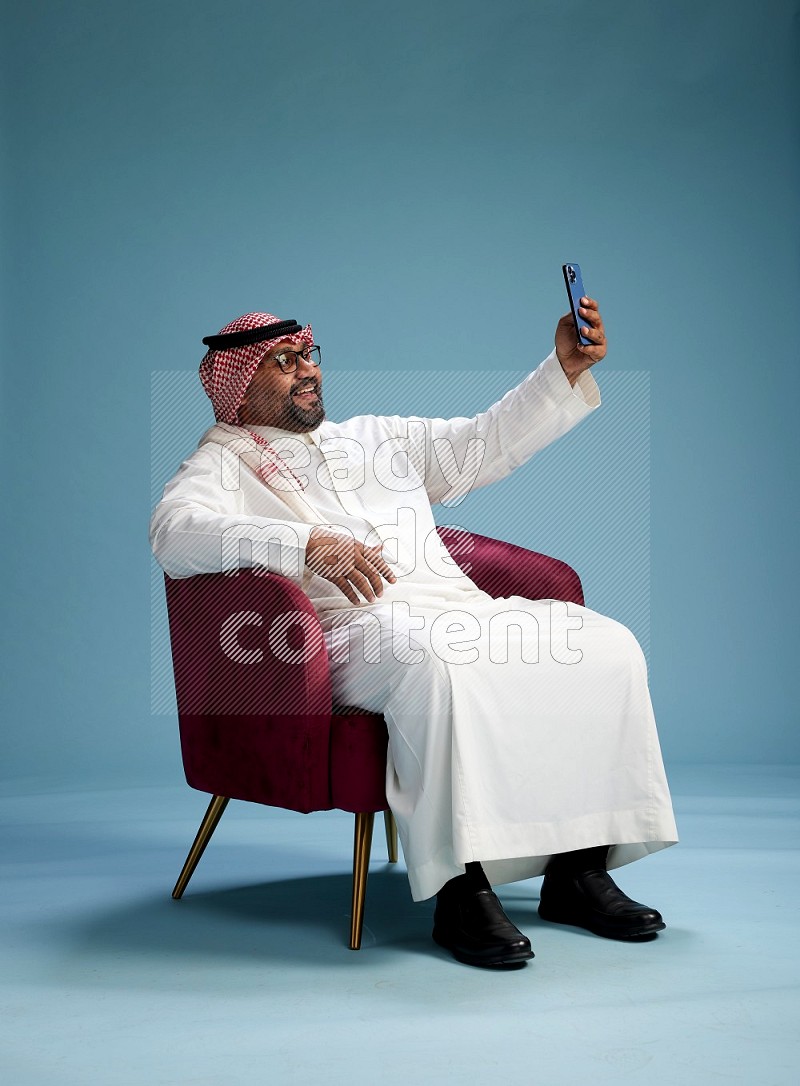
(521, 735)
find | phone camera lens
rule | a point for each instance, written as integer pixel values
(571, 273)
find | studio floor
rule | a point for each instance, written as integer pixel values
(106, 980)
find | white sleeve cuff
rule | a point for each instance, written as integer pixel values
(585, 388)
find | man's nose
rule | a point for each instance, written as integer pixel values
(306, 368)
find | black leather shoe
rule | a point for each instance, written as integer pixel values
(592, 900)
(476, 931)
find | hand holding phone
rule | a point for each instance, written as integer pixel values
(577, 352)
(574, 283)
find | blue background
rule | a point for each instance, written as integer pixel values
(409, 178)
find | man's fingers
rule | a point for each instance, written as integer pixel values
(593, 323)
(590, 314)
(596, 335)
(355, 586)
(350, 566)
(367, 570)
(374, 555)
(345, 588)
(364, 585)
(595, 353)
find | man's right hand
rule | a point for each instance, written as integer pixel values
(349, 565)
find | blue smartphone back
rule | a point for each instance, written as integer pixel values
(575, 291)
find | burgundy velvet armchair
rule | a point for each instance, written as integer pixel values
(261, 726)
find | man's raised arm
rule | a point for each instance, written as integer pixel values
(456, 455)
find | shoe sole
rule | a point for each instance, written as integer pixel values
(504, 961)
(598, 929)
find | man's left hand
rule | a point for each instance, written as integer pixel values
(575, 359)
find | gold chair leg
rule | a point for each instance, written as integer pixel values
(391, 836)
(362, 845)
(212, 816)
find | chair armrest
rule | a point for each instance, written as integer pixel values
(246, 642)
(503, 569)
(253, 688)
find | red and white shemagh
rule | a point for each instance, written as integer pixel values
(226, 374)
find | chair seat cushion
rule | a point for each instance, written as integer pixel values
(358, 761)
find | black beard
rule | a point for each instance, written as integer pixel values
(306, 418)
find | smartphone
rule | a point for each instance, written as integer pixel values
(575, 291)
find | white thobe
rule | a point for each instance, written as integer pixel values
(517, 728)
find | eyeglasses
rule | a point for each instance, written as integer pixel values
(287, 360)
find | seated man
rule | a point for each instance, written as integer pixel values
(521, 734)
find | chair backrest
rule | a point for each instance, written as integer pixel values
(504, 569)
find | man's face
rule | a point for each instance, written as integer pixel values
(290, 401)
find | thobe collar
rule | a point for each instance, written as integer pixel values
(264, 460)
